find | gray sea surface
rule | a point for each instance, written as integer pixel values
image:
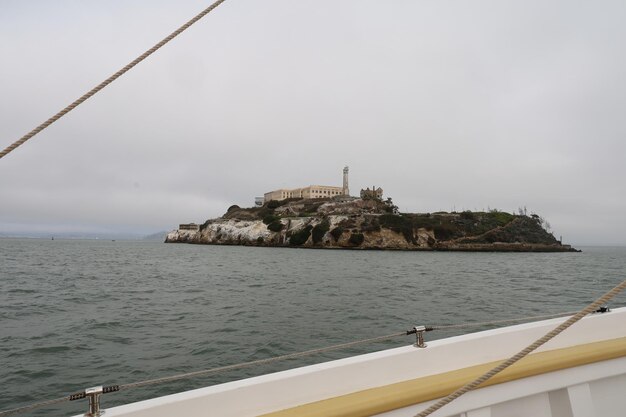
(80, 313)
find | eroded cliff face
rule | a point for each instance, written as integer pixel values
(363, 224)
(256, 233)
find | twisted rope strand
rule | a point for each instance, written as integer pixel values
(109, 80)
(505, 321)
(215, 370)
(33, 406)
(259, 362)
(524, 352)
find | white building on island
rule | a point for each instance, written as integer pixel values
(312, 191)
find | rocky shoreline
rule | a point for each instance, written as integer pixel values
(370, 225)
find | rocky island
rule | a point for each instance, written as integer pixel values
(369, 223)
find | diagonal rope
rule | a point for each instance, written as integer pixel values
(504, 321)
(109, 80)
(217, 370)
(321, 350)
(33, 406)
(521, 354)
(259, 362)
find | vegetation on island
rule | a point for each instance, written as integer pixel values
(300, 237)
(376, 223)
(319, 231)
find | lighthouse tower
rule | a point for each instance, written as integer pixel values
(346, 190)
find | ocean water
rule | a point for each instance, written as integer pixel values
(80, 313)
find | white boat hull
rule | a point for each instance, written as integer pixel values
(382, 383)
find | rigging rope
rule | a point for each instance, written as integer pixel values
(505, 321)
(262, 361)
(217, 370)
(109, 80)
(524, 352)
(34, 406)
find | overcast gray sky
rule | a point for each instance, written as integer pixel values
(445, 104)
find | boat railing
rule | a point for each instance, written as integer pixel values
(94, 394)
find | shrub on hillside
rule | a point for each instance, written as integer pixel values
(445, 231)
(523, 230)
(336, 233)
(393, 220)
(425, 221)
(252, 213)
(300, 237)
(310, 207)
(320, 230)
(270, 218)
(500, 217)
(398, 224)
(273, 204)
(370, 225)
(356, 239)
(347, 224)
(275, 226)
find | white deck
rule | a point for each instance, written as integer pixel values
(597, 389)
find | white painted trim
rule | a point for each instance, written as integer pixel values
(581, 400)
